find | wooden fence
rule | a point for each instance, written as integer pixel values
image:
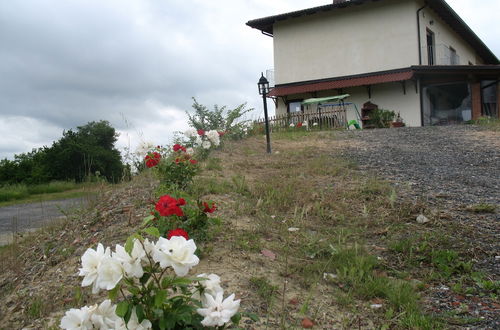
(328, 119)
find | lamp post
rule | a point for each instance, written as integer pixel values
(263, 90)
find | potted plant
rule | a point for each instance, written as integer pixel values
(398, 122)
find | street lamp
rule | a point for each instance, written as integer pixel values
(263, 90)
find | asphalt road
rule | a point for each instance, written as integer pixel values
(25, 217)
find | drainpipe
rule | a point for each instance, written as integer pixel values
(419, 41)
(419, 85)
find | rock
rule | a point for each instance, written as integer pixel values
(422, 219)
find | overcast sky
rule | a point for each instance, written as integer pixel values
(137, 63)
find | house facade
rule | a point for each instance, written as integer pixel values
(415, 57)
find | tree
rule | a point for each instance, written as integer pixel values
(220, 118)
(88, 151)
(78, 155)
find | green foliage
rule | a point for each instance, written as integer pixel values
(381, 118)
(220, 118)
(178, 174)
(75, 157)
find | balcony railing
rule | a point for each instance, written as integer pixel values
(441, 55)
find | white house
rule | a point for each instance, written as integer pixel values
(415, 57)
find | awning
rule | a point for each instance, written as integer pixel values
(342, 82)
(325, 99)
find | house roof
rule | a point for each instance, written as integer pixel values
(444, 11)
(397, 75)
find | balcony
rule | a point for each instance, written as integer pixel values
(441, 55)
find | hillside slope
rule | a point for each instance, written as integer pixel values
(307, 237)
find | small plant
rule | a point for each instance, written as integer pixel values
(264, 288)
(175, 213)
(175, 167)
(381, 118)
(482, 208)
(159, 295)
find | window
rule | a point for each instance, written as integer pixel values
(430, 47)
(454, 60)
(294, 106)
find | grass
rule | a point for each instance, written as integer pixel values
(19, 194)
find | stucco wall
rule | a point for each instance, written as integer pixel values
(444, 37)
(388, 96)
(373, 37)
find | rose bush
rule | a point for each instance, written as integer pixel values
(155, 292)
(176, 213)
(175, 166)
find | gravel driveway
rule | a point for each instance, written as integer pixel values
(450, 169)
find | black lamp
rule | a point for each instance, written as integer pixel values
(263, 90)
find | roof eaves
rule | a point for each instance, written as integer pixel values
(265, 24)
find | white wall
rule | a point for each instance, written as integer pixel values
(388, 96)
(446, 37)
(373, 37)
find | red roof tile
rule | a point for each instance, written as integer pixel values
(341, 83)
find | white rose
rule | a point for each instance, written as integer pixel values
(217, 312)
(176, 252)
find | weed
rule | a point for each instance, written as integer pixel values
(482, 208)
(209, 185)
(240, 185)
(35, 308)
(264, 288)
(213, 164)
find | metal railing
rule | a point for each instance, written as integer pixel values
(442, 55)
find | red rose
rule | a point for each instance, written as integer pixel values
(152, 159)
(221, 133)
(193, 161)
(177, 232)
(177, 160)
(177, 147)
(168, 205)
(201, 132)
(183, 149)
(209, 209)
(299, 125)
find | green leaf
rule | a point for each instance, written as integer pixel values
(153, 231)
(147, 220)
(112, 294)
(129, 245)
(253, 317)
(128, 315)
(122, 308)
(181, 281)
(163, 324)
(144, 279)
(160, 298)
(236, 318)
(140, 313)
